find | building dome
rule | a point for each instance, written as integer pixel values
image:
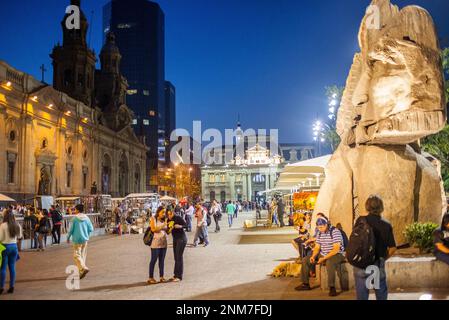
(110, 47)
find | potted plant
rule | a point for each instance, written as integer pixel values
(420, 235)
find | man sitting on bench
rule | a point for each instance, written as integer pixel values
(329, 251)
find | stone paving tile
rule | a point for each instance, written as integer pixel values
(119, 270)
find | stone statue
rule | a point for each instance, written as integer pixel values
(44, 182)
(394, 96)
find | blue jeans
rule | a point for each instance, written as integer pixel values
(189, 223)
(201, 231)
(157, 254)
(275, 219)
(444, 257)
(230, 217)
(360, 277)
(9, 258)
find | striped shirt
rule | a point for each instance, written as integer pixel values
(327, 241)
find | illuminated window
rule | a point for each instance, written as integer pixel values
(152, 113)
(146, 92)
(134, 121)
(131, 92)
(212, 178)
(146, 122)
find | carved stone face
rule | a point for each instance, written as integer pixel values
(395, 90)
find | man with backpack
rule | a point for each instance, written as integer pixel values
(371, 244)
(329, 251)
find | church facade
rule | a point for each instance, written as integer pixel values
(250, 172)
(64, 139)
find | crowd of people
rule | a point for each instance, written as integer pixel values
(327, 245)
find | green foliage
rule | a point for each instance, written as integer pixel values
(438, 146)
(333, 93)
(421, 235)
(445, 56)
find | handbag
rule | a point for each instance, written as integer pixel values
(148, 237)
(2, 248)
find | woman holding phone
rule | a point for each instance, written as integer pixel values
(159, 228)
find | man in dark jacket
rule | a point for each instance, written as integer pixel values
(56, 218)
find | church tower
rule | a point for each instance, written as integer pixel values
(74, 62)
(111, 86)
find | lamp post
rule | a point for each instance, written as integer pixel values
(318, 134)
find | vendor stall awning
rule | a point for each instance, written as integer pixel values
(4, 198)
(142, 195)
(307, 173)
(67, 198)
(167, 198)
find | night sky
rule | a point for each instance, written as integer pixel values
(268, 60)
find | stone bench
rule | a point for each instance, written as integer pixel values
(404, 273)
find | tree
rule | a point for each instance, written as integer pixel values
(334, 94)
(445, 55)
(438, 144)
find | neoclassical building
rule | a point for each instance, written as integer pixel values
(60, 140)
(246, 175)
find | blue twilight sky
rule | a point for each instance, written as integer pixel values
(268, 60)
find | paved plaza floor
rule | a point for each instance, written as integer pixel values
(234, 266)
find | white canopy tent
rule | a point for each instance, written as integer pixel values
(167, 198)
(303, 174)
(4, 198)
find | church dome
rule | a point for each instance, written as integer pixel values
(110, 47)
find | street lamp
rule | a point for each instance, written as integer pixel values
(318, 134)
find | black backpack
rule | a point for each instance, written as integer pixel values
(361, 250)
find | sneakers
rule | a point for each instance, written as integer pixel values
(174, 279)
(11, 290)
(332, 292)
(303, 287)
(151, 281)
(84, 273)
(162, 280)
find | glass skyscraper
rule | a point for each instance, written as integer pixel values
(138, 26)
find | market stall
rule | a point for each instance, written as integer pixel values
(67, 204)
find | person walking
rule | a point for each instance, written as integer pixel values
(56, 218)
(80, 231)
(258, 211)
(201, 225)
(216, 212)
(329, 251)
(441, 240)
(236, 210)
(118, 220)
(43, 228)
(230, 209)
(385, 246)
(10, 231)
(176, 227)
(189, 216)
(159, 227)
(280, 212)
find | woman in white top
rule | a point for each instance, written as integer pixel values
(159, 228)
(10, 231)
